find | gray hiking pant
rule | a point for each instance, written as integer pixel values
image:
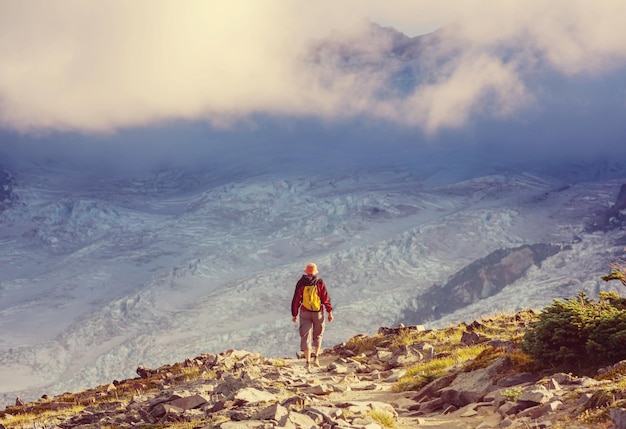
(311, 329)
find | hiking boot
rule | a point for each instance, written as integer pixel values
(316, 363)
(307, 365)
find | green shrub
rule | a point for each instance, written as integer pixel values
(614, 299)
(512, 393)
(578, 334)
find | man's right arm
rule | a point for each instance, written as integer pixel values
(295, 303)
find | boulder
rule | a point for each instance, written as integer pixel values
(472, 386)
(432, 389)
(539, 411)
(518, 379)
(536, 394)
(405, 355)
(189, 402)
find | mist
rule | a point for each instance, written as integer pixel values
(256, 87)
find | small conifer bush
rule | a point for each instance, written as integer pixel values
(578, 334)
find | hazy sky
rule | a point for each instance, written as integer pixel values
(91, 68)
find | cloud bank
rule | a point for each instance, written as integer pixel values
(100, 66)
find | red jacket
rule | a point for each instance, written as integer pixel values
(305, 280)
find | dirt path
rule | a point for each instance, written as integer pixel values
(354, 389)
(366, 387)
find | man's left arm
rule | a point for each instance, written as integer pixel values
(325, 298)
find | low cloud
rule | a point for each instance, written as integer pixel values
(71, 65)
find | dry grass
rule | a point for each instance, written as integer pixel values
(383, 418)
(279, 363)
(522, 362)
(363, 343)
(452, 353)
(40, 418)
(50, 412)
(422, 373)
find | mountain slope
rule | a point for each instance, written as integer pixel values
(100, 276)
(464, 376)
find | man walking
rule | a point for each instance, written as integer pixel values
(309, 300)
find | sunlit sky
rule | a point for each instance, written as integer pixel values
(100, 71)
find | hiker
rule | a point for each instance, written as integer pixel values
(309, 300)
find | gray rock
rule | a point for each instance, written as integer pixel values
(323, 414)
(337, 368)
(618, 418)
(320, 389)
(396, 374)
(432, 389)
(513, 408)
(273, 412)
(193, 414)
(165, 397)
(383, 330)
(229, 385)
(615, 366)
(189, 402)
(505, 344)
(536, 394)
(467, 411)
(470, 338)
(427, 407)
(144, 372)
(362, 407)
(384, 354)
(472, 386)
(553, 385)
(298, 420)
(341, 388)
(506, 423)
(584, 398)
(517, 379)
(252, 395)
(428, 350)
(539, 411)
(587, 382)
(162, 410)
(405, 355)
(246, 424)
(564, 379)
(492, 421)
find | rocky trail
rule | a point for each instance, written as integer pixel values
(351, 389)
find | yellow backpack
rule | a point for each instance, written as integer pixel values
(310, 298)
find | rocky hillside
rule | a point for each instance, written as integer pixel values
(465, 376)
(482, 278)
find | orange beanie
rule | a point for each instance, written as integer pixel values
(311, 269)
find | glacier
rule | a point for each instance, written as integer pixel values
(102, 275)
